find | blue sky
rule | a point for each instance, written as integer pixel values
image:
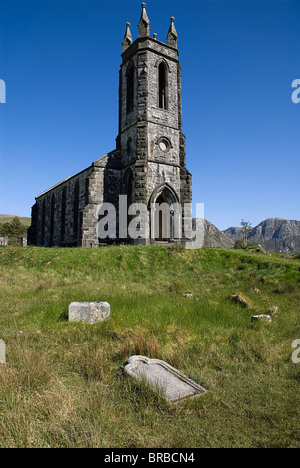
(60, 61)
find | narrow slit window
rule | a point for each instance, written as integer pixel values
(130, 88)
(43, 221)
(163, 88)
(63, 213)
(76, 209)
(52, 220)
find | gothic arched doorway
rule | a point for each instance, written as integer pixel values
(165, 215)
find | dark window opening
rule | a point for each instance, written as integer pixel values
(63, 213)
(52, 220)
(43, 222)
(129, 146)
(76, 209)
(130, 89)
(162, 87)
(164, 221)
(87, 188)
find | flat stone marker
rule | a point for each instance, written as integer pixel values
(2, 352)
(163, 378)
(261, 317)
(89, 312)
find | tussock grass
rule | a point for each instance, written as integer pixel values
(139, 342)
(63, 384)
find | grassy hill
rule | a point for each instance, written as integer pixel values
(9, 218)
(63, 384)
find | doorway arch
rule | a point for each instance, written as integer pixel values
(165, 215)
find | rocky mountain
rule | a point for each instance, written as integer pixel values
(213, 237)
(273, 234)
(233, 233)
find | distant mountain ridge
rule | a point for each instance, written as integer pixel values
(273, 234)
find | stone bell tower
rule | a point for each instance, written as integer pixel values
(150, 140)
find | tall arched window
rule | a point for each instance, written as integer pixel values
(76, 209)
(63, 213)
(129, 146)
(130, 88)
(52, 220)
(127, 186)
(43, 222)
(162, 86)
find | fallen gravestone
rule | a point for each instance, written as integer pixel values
(2, 352)
(163, 378)
(89, 312)
(255, 318)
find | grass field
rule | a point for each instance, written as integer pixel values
(64, 386)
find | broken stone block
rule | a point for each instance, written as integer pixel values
(242, 300)
(89, 312)
(2, 352)
(273, 311)
(261, 317)
(163, 378)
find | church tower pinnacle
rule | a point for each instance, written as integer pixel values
(127, 41)
(144, 24)
(172, 37)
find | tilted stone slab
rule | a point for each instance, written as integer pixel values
(89, 312)
(2, 352)
(163, 378)
(255, 318)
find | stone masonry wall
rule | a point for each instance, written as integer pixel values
(58, 212)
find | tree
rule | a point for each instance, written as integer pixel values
(16, 227)
(5, 229)
(247, 230)
(14, 230)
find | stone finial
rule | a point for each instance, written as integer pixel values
(144, 24)
(155, 36)
(127, 41)
(172, 37)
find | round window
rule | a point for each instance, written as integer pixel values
(164, 144)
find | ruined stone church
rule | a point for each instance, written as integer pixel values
(148, 164)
